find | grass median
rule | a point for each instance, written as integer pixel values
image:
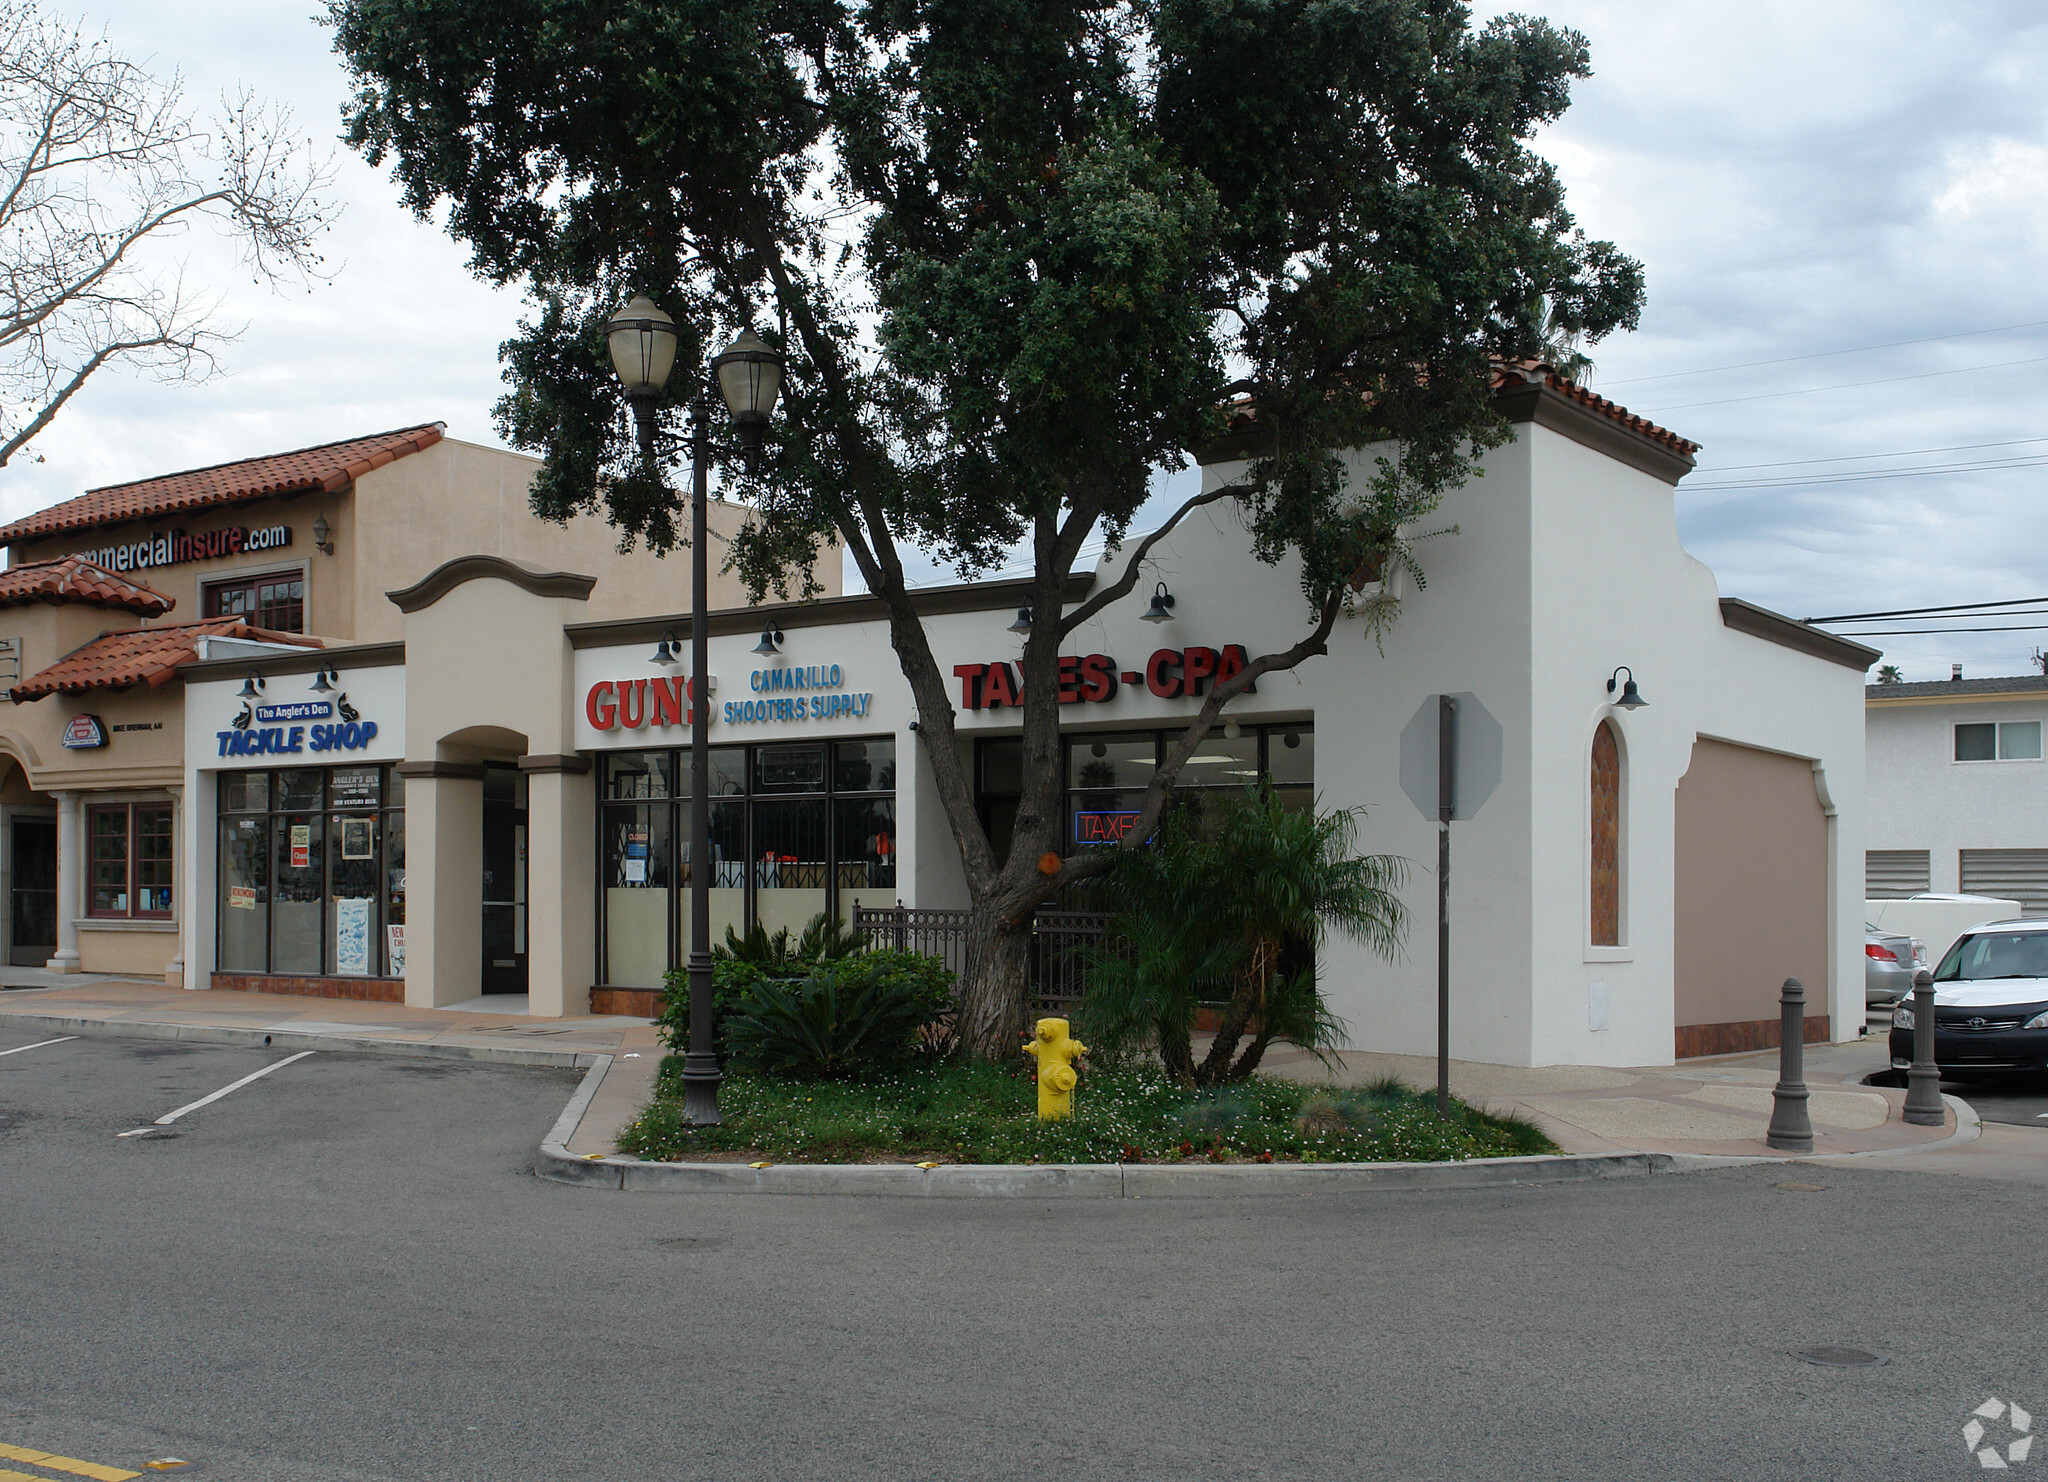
(949, 1112)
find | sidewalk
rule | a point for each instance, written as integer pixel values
(1717, 1107)
(485, 1032)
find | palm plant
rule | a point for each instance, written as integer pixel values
(1233, 906)
(1890, 673)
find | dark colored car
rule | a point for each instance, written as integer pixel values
(1990, 1003)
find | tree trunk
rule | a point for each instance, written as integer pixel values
(1177, 1056)
(995, 1005)
(1246, 998)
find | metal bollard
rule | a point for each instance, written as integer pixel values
(1791, 1128)
(1923, 1082)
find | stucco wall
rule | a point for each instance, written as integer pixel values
(1612, 585)
(1921, 797)
(459, 499)
(1751, 884)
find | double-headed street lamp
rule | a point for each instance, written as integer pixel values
(749, 374)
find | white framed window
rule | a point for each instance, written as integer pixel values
(2001, 741)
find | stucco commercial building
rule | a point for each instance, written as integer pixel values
(503, 805)
(1958, 790)
(106, 595)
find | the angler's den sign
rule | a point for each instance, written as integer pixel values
(295, 727)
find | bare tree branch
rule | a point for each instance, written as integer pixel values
(103, 168)
(1122, 586)
(1159, 792)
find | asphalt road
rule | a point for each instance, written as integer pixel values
(2020, 1099)
(347, 1271)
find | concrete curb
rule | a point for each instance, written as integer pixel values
(210, 1034)
(1060, 1180)
(1969, 1127)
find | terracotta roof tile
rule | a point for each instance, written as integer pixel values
(150, 656)
(1242, 414)
(329, 467)
(75, 579)
(1526, 371)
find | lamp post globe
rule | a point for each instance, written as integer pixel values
(642, 341)
(750, 379)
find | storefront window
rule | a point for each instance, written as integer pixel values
(796, 829)
(312, 872)
(131, 852)
(1107, 775)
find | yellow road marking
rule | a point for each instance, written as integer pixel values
(69, 1464)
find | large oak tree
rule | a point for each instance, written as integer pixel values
(1021, 255)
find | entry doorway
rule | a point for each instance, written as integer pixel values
(504, 923)
(31, 904)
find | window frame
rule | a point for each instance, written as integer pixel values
(253, 581)
(323, 815)
(1998, 729)
(749, 796)
(131, 860)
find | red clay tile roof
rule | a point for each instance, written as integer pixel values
(329, 467)
(1242, 414)
(148, 656)
(75, 579)
(1528, 371)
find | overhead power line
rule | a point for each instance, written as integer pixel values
(1867, 475)
(1843, 386)
(1961, 334)
(1949, 607)
(1940, 632)
(1861, 457)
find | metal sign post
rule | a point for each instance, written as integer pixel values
(1446, 805)
(1450, 765)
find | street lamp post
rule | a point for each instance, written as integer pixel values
(642, 340)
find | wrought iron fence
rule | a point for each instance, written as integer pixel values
(1056, 964)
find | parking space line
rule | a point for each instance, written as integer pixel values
(169, 1117)
(69, 1464)
(60, 1039)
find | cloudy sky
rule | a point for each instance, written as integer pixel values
(1842, 209)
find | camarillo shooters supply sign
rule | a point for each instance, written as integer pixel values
(786, 694)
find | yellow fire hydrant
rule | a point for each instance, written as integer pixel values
(1055, 1051)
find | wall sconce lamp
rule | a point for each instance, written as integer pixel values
(665, 651)
(326, 681)
(252, 687)
(1631, 697)
(322, 533)
(1023, 623)
(771, 641)
(1161, 610)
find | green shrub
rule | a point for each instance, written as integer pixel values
(731, 979)
(824, 939)
(924, 983)
(845, 1019)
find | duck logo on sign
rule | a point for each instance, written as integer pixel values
(250, 736)
(85, 732)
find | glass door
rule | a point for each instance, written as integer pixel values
(32, 904)
(504, 923)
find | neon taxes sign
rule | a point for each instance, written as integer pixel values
(1091, 679)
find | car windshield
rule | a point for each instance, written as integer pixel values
(1996, 954)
